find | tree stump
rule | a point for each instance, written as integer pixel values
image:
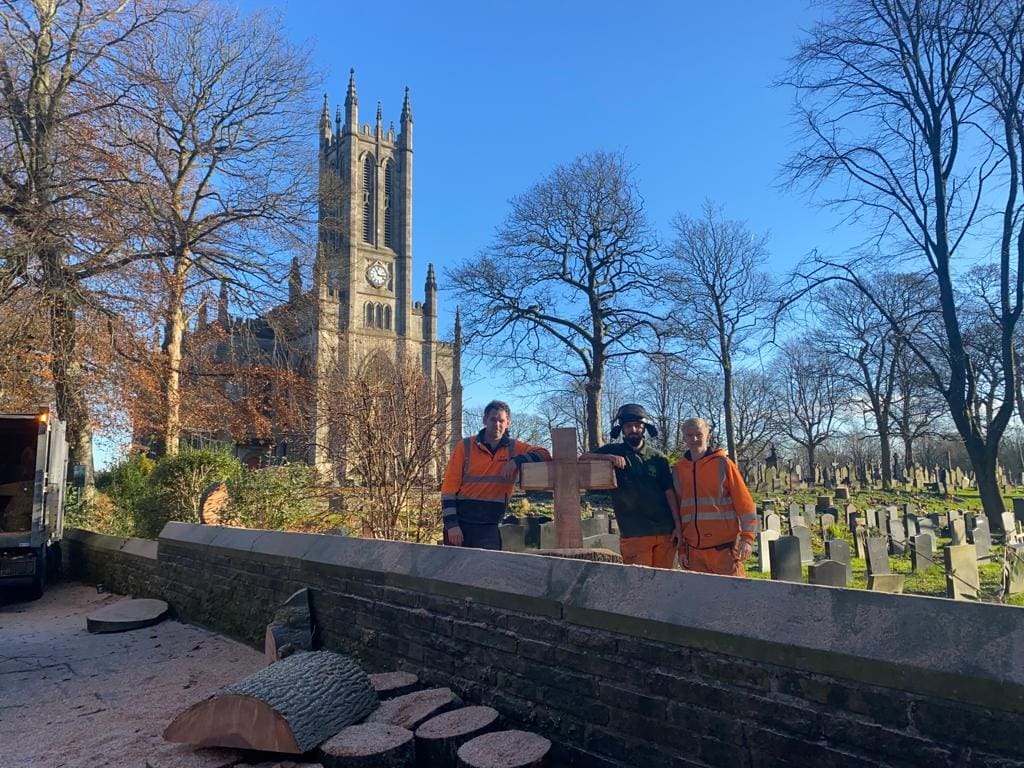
(388, 685)
(438, 739)
(504, 749)
(370, 745)
(291, 706)
(292, 628)
(410, 710)
(126, 615)
(212, 503)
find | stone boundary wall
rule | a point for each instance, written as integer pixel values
(624, 666)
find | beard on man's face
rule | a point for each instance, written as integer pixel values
(634, 440)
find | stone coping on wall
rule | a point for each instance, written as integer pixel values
(146, 548)
(970, 652)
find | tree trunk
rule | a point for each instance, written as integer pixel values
(885, 446)
(984, 465)
(174, 334)
(730, 430)
(810, 461)
(593, 395)
(68, 384)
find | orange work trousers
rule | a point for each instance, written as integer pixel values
(655, 551)
(718, 561)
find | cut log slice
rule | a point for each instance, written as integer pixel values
(391, 684)
(290, 706)
(504, 749)
(370, 745)
(410, 710)
(292, 629)
(438, 740)
(125, 615)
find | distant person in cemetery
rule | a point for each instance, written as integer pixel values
(479, 479)
(717, 512)
(645, 500)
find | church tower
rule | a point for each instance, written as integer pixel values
(364, 259)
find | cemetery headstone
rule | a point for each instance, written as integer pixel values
(764, 557)
(886, 582)
(927, 525)
(594, 526)
(827, 520)
(1009, 525)
(860, 541)
(922, 552)
(877, 548)
(842, 493)
(772, 522)
(548, 537)
(871, 518)
(823, 503)
(958, 532)
(1013, 580)
(809, 511)
(804, 535)
(796, 519)
(897, 539)
(838, 550)
(962, 581)
(513, 537)
(827, 573)
(909, 509)
(1018, 509)
(911, 525)
(785, 559)
(602, 541)
(533, 524)
(982, 539)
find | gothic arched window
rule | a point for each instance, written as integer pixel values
(388, 198)
(369, 313)
(369, 197)
(378, 317)
(387, 318)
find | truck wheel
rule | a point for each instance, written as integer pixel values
(39, 579)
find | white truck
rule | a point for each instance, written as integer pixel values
(33, 472)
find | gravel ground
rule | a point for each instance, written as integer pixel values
(71, 699)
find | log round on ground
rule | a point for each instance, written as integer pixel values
(504, 749)
(391, 684)
(438, 739)
(290, 706)
(411, 710)
(370, 745)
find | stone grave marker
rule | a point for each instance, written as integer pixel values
(891, 513)
(567, 478)
(1018, 509)
(911, 525)
(809, 511)
(877, 548)
(533, 524)
(594, 526)
(803, 534)
(1013, 578)
(796, 519)
(909, 509)
(962, 581)
(773, 522)
(602, 541)
(785, 559)
(897, 539)
(957, 532)
(513, 538)
(982, 539)
(927, 525)
(770, 505)
(838, 550)
(850, 508)
(827, 573)
(922, 551)
(970, 521)
(860, 539)
(886, 582)
(827, 520)
(1009, 525)
(871, 518)
(764, 557)
(549, 536)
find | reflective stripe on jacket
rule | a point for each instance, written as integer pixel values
(714, 504)
(473, 488)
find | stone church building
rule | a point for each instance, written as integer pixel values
(360, 318)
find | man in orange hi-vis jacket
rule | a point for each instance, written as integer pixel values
(479, 480)
(718, 515)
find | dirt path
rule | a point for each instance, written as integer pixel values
(70, 699)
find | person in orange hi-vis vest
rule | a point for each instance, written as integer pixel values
(479, 479)
(717, 512)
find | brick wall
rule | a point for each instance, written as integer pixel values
(625, 666)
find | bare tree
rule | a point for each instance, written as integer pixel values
(756, 413)
(720, 294)
(567, 284)
(58, 211)
(219, 130)
(813, 395)
(916, 109)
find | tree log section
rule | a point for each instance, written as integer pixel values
(414, 708)
(290, 706)
(504, 749)
(370, 745)
(438, 740)
(391, 684)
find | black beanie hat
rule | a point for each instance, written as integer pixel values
(632, 412)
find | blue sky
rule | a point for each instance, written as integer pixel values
(504, 91)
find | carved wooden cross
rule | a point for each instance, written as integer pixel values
(568, 478)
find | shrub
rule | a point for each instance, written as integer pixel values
(277, 498)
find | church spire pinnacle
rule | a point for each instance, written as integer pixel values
(352, 104)
(380, 117)
(406, 108)
(405, 137)
(325, 123)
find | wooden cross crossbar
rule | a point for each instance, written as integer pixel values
(567, 477)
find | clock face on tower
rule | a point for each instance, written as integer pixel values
(376, 274)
